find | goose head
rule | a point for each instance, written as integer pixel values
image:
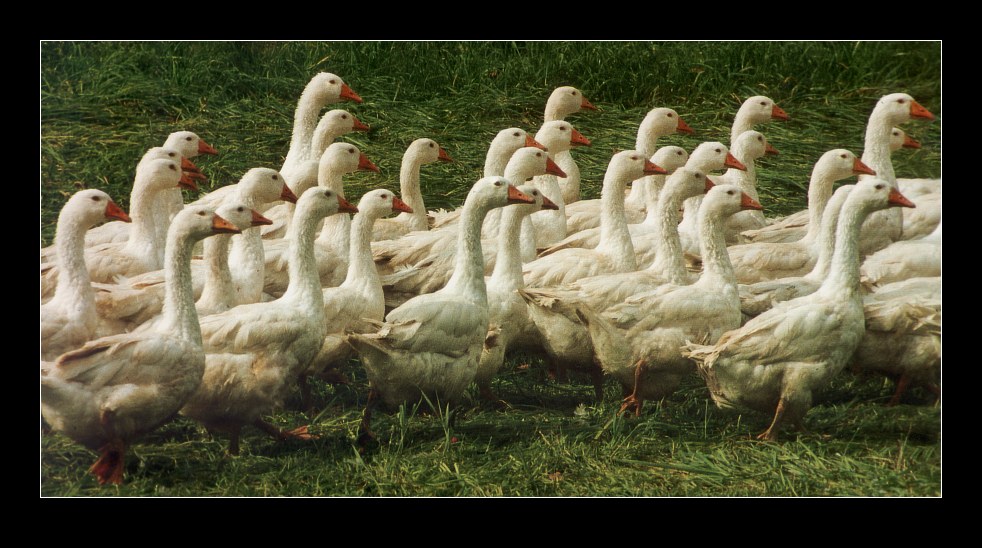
(876, 194)
(898, 108)
(753, 145)
(495, 191)
(196, 222)
(242, 216)
(339, 122)
(713, 155)
(840, 163)
(899, 139)
(262, 185)
(319, 202)
(688, 182)
(188, 144)
(381, 202)
(91, 207)
(340, 159)
(162, 174)
(539, 201)
(671, 158)
(560, 136)
(164, 153)
(662, 121)
(330, 88)
(628, 165)
(527, 162)
(566, 100)
(725, 200)
(760, 109)
(426, 151)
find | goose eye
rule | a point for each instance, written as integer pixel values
(896, 133)
(497, 183)
(327, 193)
(670, 115)
(276, 178)
(171, 167)
(431, 145)
(718, 151)
(843, 156)
(562, 128)
(95, 198)
(679, 153)
(763, 103)
(344, 116)
(635, 158)
(730, 192)
(516, 134)
(538, 155)
(535, 193)
(351, 151)
(901, 101)
(761, 139)
(201, 214)
(879, 187)
(572, 93)
(187, 139)
(332, 82)
(170, 154)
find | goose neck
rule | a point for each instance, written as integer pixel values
(468, 274)
(615, 238)
(668, 263)
(180, 316)
(410, 192)
(508, 261)
(717, 268)
(219, 289)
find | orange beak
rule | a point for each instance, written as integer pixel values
(530, 142)
(910, 142)
(770, 150)
(859, 167)
(205, 148)
(196, 175)
(221, 226)
(709, 184)
(258, 219)
(734, 163)
(359, 126)
(288, 195)
(548, 204)
(364, 164)
(516, 196)
(443, 156)
(577, 139)
(652, 169)
(917, 111)
(778, 112)
(553, 169)
(746, 202)
(113, 211)
(898, 199)
(187, 182)
(188, 165)
(399, 205)
(349, 94)
(587, 104)
(344, 206)
(684, 127)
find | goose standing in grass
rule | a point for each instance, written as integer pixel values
(757, 262)
(360, 296)
(431, 345)
(70, 319)
(255, 352)
(113, 390)
(614, 253)
(419, 153)
(884, 227)
(331, 248)
(563, 101)
(553, 311)
(334, 124)
(637, 341)
(509, 317)
(776, 361)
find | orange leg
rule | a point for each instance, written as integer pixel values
(902, 385)
(771, 433)
(632, 401)
(109, 467)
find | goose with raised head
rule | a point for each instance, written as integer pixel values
(757, 262)
(903, 335)
(553, 311)
(115, 389)
(759, 297)
(776, 361)
(359, 297)
(614, 253)
(637, 341)
(509, 317)
(748, 148)
(69, 319)
(563, 101)
(431, 345)
(255, 352)
(331, 246)
(333, 125)
(431, 255)
(657, 123)
(884, 227)
(189, 145)
(755, 110)
(419, 153)
(500, 151)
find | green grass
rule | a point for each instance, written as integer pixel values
(103, 104)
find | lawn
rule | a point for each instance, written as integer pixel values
(103, 104)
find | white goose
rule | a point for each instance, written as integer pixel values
(255, 352)
(430, 346)
(189, 145)
(637, 341)
(419, 153)
(777, 360)
(360, 296)
(563, 101)
(748, 148)
(117, 388)
(755, 110)
(904, 259)
(614, 253)
(69, 319)
(757, 262)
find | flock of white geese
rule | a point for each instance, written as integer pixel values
(677, 275)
